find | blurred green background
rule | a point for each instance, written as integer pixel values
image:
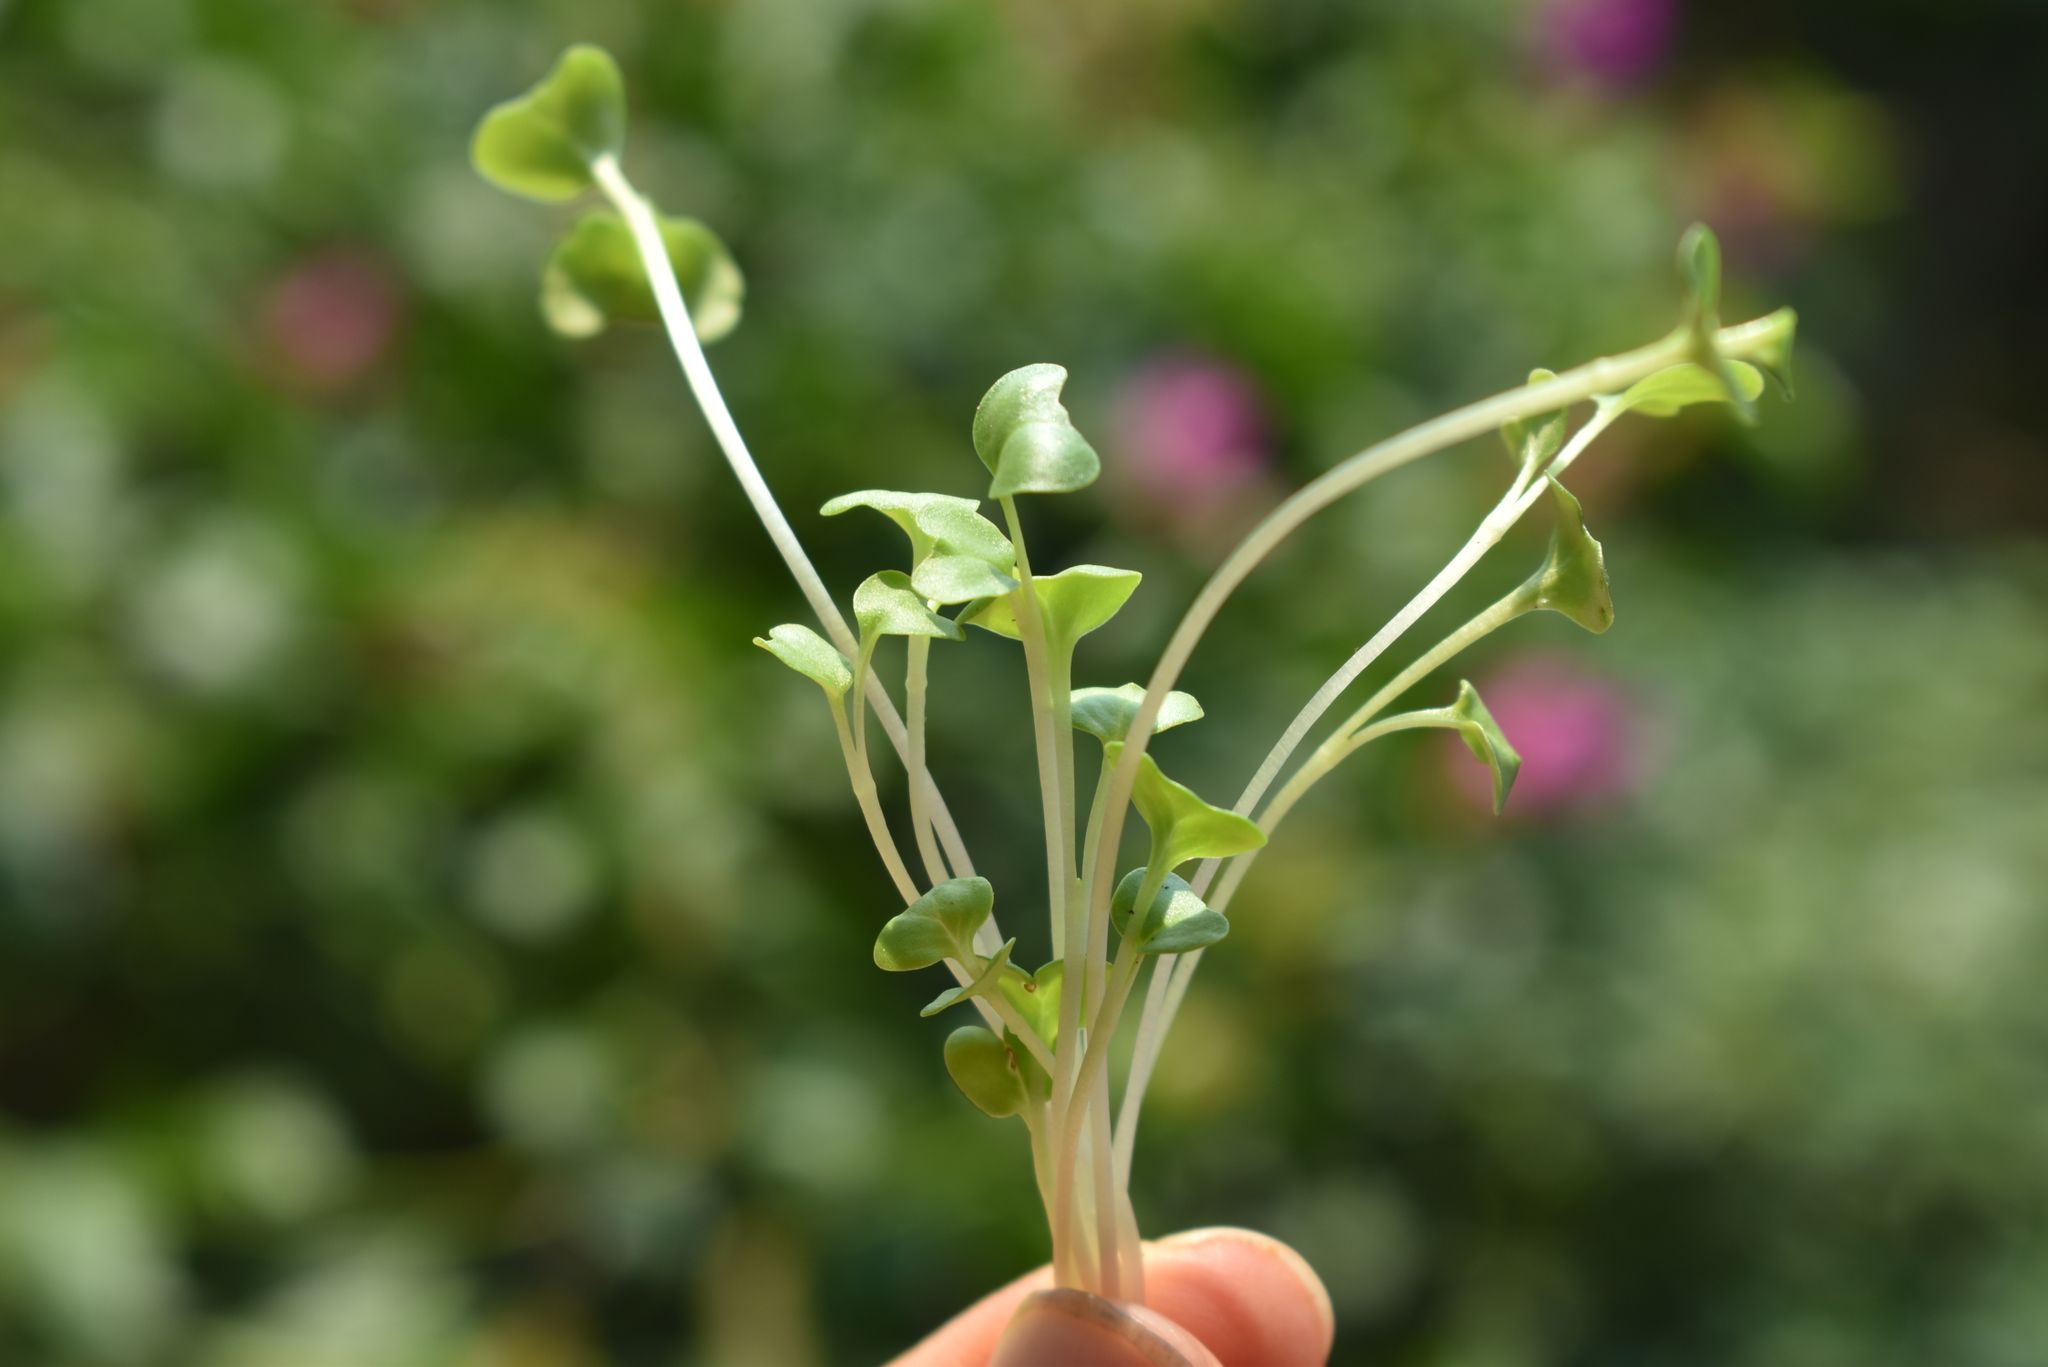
(431, 934)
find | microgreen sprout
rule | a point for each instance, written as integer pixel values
(1043, 1048)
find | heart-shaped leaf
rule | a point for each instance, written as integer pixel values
(1107, 713)
(1483, 737)
(595, 278)
(885, 604)
(987, 974)
(1071, 604)
(541, 144)
(1177, 922)
(1024, 436)
(1534, 440)
(949, 579)
(956, 554)
(810, 655)
(985, 1069)
(1037, 998)
(938, 925)
(1680, 386)
(1183, 826)
(1573, 579)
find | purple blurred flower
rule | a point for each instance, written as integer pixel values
(1193, 434)
(330, 319)
(1615, 43)
(1578, 735)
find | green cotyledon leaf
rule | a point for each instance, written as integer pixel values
(1023, 434)
(1483, 737)
(939, 925)
(956, 554)
(1037, 998)
(1573, 577)
(595, 278)
(1183, 826)
(541, 144)
(987, 974)
(886, 604)
(985, 1070)
(810, 655)
(1178, 921)
(1071, 604)
(1680, 386)
(1107, 713)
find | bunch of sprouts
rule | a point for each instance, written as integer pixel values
(1042, 1048)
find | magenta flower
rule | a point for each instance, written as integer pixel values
(1612, 43)
(1578, 735)
(1193, 437)
(328, 321)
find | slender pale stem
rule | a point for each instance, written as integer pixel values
(1108, 1196)
(682, 335)
(914, 682)
(863, 781)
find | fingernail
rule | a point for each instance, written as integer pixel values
(1318, 1294)
(1074, 1329)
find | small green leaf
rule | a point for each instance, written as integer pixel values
(1483, 737)
(541, 144)
(1037, 998)
(985, 1069)
(1107, 713)
(595, 278)
(1573, 578)
(1680, 386)
(988, 974)
(1534, 440)
(1071, 603)
(1699, 265)
(956, 554)
(1183, 826)
(938, 925)
(1024, 436)
(810, 655)
(947, 579)
(885, 604)
(1177, 922)
(1773, 355)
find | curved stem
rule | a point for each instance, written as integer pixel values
(919, 650)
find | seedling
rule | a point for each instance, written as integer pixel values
(1041, 1049)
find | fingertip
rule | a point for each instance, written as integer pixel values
(1063, 1328)
(1249, 1297)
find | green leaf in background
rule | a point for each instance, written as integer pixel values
(1680, 386)
(1024, 436)
(1699, 265)
(810, 655)
(987, 974)
(885, 604)
(1573, 578)
(1107, 713)
(1037, 998)
(938, 925)
(1177, 921)
(595, 278)
(1071, 603)
(985, 1069)
(541, 144)
(1183, 826)
(1483, 737)
(1533, 441)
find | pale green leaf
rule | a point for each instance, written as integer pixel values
(541, 144)
(938, 925)
(1183, 826)
(1573, 578)
(988, 973)
(1483, 737)
(1107, 713)
(596, 278)
(885, 604)
(1024, 436)
(1532, 441)
(1680, 386)
(1177, 922)
(1071, 603)
(959, 579)
(810, 655)
(1037, 998)
(985, 1070)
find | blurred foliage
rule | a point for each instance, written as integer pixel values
(365, 653)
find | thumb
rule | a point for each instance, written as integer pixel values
(1074, 1329)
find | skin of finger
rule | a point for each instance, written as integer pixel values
(1251, 1299)
(1074, 1329)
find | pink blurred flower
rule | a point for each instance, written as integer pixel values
(1613, 43)
(1578, 734)
(330, 319)
(1193, 436)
